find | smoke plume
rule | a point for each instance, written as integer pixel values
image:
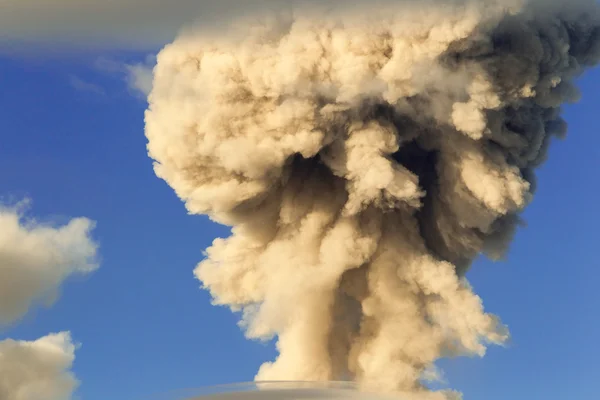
(35, 259)
(364, 156)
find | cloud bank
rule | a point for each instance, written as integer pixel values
(135, 24)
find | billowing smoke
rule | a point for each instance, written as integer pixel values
(364, 157)
(35, 259)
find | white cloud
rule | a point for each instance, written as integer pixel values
(84, 86)
(138, 76)
(37, 370)
(36, 258)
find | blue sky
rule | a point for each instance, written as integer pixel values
(147, 328)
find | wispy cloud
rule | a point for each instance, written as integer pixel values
(137, 76)
(84, 86)
(107, 65)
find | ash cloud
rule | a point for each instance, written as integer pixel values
(364, 157)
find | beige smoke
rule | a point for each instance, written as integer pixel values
(364, 157)
(35, 259)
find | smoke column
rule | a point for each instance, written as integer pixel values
(364, 156)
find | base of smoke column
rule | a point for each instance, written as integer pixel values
(281, 390)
